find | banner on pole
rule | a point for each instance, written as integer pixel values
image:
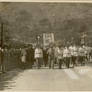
(48, 38)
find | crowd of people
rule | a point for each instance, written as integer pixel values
(68, 56)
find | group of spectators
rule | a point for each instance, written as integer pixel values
(51, 56)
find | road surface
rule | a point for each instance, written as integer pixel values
(77, 79)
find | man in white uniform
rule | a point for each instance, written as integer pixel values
(67, 56)
(60, 56)
(38, 56)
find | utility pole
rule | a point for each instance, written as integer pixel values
(2, 54)
(1, 35)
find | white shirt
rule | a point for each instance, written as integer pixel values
(66, 52)
(38, 53)
(71, 50)
(81, 51)
(60, 53)
(75, 52)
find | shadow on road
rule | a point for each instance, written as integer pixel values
(7, 78)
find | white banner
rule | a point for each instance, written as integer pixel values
(48, 38)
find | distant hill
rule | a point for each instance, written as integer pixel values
(24, 21)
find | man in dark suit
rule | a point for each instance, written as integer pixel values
(45, 56)
(30, 56)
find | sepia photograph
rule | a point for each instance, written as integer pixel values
(45, 46)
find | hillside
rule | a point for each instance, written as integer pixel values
(24, 21)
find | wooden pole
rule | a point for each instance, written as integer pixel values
(1, 35)
(2, 54)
